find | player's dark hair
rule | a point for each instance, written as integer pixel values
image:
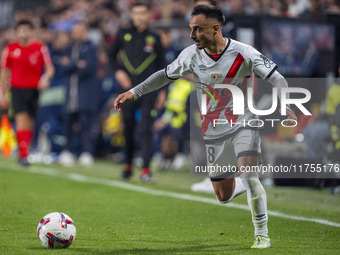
(142, 3)
(209, 11)
(24, 22)
(212, 2)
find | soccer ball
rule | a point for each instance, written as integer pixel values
(56, 230)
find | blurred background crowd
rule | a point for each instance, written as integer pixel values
(301, 36)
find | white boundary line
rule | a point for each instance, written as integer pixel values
(155, 192)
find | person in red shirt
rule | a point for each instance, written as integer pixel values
(26, 69)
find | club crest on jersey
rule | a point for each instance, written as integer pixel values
(216, 78)
(16, 53)
(149, 43)
(267, 62)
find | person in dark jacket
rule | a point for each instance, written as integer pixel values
(51, 101)
(141, 54)
(80, 104)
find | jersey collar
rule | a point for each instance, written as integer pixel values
(224, 50)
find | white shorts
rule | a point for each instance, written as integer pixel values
(222, 160)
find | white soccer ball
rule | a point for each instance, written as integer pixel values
(56, 230)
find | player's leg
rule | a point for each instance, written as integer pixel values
(66, 157)
(220, 157)
(247, 148)
(24, 125)
(24, 103)
(223, 188)
(228, 188)
(256, 194)
(86, 119)
(147, 104)
(257, 201)
(129, 121)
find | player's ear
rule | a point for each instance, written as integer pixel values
(216, 27)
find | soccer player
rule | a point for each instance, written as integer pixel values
(214, 59)
(24, 60)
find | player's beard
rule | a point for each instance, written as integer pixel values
(199, 44)
(203, 43)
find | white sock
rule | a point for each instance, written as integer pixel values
(238, 190)
(257, 201)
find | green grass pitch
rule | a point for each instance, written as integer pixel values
(113, 220)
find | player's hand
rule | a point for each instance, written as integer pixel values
(122, 99)
(159, 125)
(291, 116)
(4, 101)
(65, 61)
(44, 83)
(81, 64)
(123, 79)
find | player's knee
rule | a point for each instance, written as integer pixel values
(222, 199)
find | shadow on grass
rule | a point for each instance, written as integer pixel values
(196, 249)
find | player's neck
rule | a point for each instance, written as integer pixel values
(140, 28)
(217, 47)
(25, 42)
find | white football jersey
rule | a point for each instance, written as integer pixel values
(235, 66)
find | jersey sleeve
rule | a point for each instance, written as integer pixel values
(180, 66)
(260, 64)
(46, 58)
(5, 61)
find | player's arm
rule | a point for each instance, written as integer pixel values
(278, 81)
(4, 79)
(4, 84)
(157, 80)
(48, 74)
(5, 71)
(45, 79)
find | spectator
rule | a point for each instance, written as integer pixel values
(333, 6)
(236, 7)
(315, 130)
(278, 9)
(23, 60)
(109, 131)
(52, 99)
(256, 7)
(170, 50)
(80, 105)
(212, 2)
(297, 7)
(171, 126)
(141, 54)
(313, 13)
(333, 112)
